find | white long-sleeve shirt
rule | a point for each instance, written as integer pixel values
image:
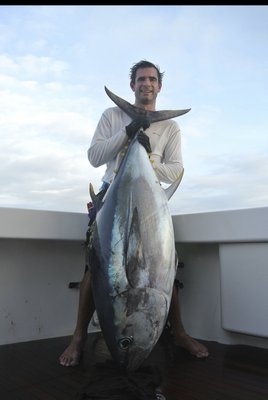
(110, 141)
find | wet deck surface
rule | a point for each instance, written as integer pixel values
(30, 371)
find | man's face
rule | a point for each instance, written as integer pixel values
(146, 85)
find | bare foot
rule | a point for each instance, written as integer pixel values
(193, 346)
(72, 354)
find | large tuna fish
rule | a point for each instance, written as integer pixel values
(134, 259)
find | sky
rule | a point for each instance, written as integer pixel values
(56, 60)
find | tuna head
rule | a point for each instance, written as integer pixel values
(134, 260)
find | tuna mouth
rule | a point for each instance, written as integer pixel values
(125, 342)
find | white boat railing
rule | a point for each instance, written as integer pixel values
(225, 274)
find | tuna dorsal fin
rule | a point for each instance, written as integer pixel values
(134, 112)
(97, 203)
(173, 187)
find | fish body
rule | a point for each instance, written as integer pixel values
(134, 264)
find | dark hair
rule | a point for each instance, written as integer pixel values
(144, 64)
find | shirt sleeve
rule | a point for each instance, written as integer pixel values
(108, 140)
(166, 157)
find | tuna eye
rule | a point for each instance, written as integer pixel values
(125, 342)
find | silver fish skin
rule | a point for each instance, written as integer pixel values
(134, 264)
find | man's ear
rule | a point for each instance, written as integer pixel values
(132, 86)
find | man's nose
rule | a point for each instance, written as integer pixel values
(147, 81)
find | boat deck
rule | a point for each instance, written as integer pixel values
(30, 371)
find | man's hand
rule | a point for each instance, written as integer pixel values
(145, 141)
(136, 124)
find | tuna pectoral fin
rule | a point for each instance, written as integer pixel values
(173, 187)
(133, 250)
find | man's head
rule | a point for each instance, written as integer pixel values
(144, 64)
(146, 83)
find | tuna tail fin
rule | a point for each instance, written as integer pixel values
(97, 202)
(173, 187)
(134, 112)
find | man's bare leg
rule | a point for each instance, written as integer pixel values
(72, 354)
(181, 338)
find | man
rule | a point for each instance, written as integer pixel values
(162, 140)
